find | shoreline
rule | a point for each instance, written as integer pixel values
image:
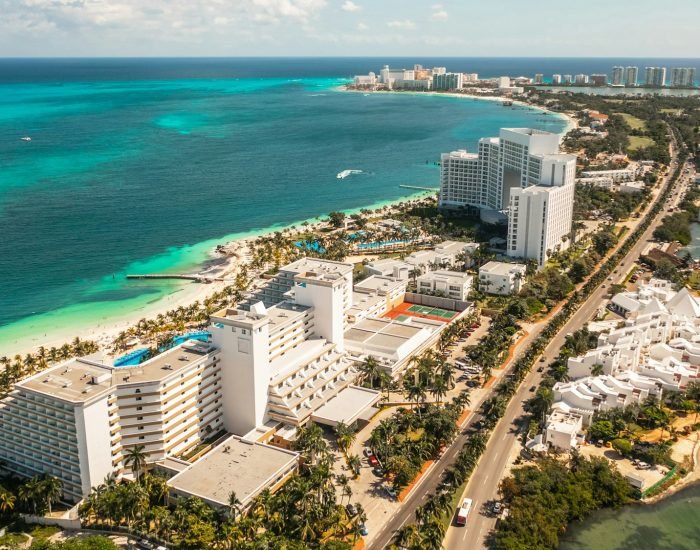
(571, 121)
(103, 329)
(182, 295)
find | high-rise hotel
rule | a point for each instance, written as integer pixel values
(520, 177)
(288, 357)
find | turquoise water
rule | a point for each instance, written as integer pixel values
(144, 166)
(135, 357)
(672, 524)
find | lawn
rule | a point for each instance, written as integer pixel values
(632, 121)
(638, 142)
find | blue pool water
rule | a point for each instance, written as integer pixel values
(136, 357)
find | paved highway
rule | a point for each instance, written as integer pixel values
(483, 485)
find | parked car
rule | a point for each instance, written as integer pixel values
(543, 359)
(391, 492)
(475, 325)
(146, 544)
(533, 388)
(368, 452)
(351, 510)
(377, 471)
(372, 460)
(497, 508)
(540, 369)
(363, 530)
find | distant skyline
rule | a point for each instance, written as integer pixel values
(544, 28)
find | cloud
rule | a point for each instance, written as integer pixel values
(439, 12)
(401, 24)
(350, 6)
(362, 27)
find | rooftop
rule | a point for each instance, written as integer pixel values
(347, 406)
(76, 381)
(501, 268)
(318, 266)
(379, 283)
(165, 364)
(244, 467)
(456, 277)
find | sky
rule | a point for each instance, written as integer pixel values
(460, 28)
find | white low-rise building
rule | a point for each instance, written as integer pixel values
(449, 284)
(563, 430)
(390, 267)
(655, 349)
(501, 278)
(616, 175)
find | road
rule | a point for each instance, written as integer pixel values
(483, 485)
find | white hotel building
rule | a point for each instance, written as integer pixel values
(519, 176)
(268, 370)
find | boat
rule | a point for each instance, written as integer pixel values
(345, 173)
(26, 138)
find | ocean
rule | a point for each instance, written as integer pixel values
(671, 524)
(144, 165)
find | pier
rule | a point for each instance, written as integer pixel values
(197, 278)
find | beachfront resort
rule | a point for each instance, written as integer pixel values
(267, 371)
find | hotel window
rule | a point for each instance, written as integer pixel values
(142, 437)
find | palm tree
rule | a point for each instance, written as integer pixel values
(597, 369)
(353, 462)
(439, 389)
(234, 505)
(51, 489)
(7, 501)
(408, 537)
(369, 370)
(136, 459)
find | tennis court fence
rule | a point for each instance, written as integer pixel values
(437, 301)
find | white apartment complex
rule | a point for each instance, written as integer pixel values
(501, 278)
(655, 350)
(449, 284)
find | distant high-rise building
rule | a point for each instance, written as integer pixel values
(581, 79)
(448, 81)
(682, 77)
(599, 79)
(471, 77)
(631, 76)
(655, 76)
(556, 79)
(539, 78)
(522, 171)
(568, 79)
(618, 75)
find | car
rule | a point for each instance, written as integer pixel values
(604, 286)
(351, 510)
(377, 471)
(391, 492)
(533, 388)
(363, 530)
(543, 359)
(372, 460)
(146, 544)
(475, 325)
(497, 508)
(368, 452)
(540, 369)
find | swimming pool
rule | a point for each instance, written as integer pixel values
(137, 356)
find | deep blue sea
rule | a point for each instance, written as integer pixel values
(144, 165)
